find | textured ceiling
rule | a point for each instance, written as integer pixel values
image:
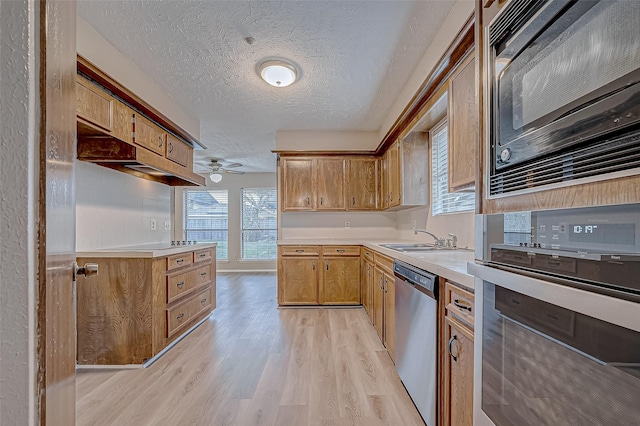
(355, 58)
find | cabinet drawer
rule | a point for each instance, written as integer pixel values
(179, 260)
(299, 250)
(202, 255)
(149, 135)
(178, 317)
(383, 262)
(94, 105)
(341, 250)
(367, 253)
(177, 151)
(201, 302)
(459, 303)
(181, 284)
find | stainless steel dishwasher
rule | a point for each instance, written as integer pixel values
(416, 336)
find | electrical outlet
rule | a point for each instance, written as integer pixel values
(167, 225)
(413, 224)
(152, 224)
(347, 224)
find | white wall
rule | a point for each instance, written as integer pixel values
(460, 224)
(114, 209)
(326, 140)
(232, 183)
(19, 144)
(369, 225)
(100, 52)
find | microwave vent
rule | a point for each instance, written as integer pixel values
(581, 162)
(515, 15)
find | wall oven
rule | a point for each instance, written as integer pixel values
(565, 92)
(558, 317)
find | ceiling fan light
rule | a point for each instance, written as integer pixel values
(278, 73)
(215, 177)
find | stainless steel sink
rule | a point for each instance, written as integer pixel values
(417, 247)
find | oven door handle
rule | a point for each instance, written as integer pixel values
(454, 337)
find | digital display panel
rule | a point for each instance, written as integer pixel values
(603, 233)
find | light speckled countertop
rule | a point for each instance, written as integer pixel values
(450, 264)
(144, 251)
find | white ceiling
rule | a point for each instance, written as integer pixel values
(355, 58)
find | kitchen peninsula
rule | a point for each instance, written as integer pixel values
(144, 299)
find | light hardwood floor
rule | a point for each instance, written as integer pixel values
(251, 363)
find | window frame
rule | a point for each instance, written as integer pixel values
(185, 218)
(243, 229)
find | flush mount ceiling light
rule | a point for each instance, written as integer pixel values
(278, 73)
(215, 177)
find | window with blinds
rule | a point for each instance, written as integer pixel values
(206, 218)
(259, 223)
(443, 201)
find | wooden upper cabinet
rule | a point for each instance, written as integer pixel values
(94, 105)
(298, 184)
(150, 135)
(122, 122)
(362, 184)
(384, 181)
(394, 169)
(177, 150)
(463, 127)
(331, 184)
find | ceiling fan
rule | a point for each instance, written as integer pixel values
(216, 166)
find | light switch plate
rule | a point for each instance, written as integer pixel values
(167, 225)
(152, 224)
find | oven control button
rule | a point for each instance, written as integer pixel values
(505, 154)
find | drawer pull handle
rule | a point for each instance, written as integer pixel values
(461, 305)
(341, 250)
(203, 274)
(454, 337)
(161, 142)
(180, 284)
(203, 300)
(179, 317)
(354, 201)
(170, 147)
(320, 200)
(203, 255)
(326, 264)
(313, 266)
(179, 261)
(308, 201)
(300, 251)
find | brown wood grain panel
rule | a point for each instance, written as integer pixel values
(202, 255)
(181, 284)
(383, 262)
(384, 180)
(201, 303)
(122, 122)
(149, 135)
(362, 184)
(458, 397)
(298, 186)
(94, 105)
(114, 316)
(178, 318)
(459, 303)
(177, 150)
(340, 251)
(158, 305)
(330, 184)
(298, 280)
(366, 282)
(394, 170)
(341, 281)
(463, 127)
(367, 254)
(378, 301)
(390, 314)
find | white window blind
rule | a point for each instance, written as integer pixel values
(259, 223)
(206, 218)
(442, 201)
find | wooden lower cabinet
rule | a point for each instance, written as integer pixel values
(135, 307)
(457, 356)
(366, 286)
(319, 275)
(384, 302)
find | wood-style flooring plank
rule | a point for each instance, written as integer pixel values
(250, 364)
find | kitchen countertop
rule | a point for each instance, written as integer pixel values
(450, 264)
(144, 250)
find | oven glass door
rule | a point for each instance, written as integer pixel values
(570, 74)
(544, 364)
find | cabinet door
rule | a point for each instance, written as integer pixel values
(362, 184)
(93, 104)
(150, 136)
(390, 314)
(394, 175)
(384, 184)
(463, 128)
(122, 122)
(331, 183)
(366, 287)
(177, 151)
(297, 184)
(378, 301)
(341, 281)
(298, 281)
(458, 374)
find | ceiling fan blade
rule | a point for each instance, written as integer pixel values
(232, 165)
(234, 172)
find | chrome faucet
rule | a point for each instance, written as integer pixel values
(453, 241)
(439, 242)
